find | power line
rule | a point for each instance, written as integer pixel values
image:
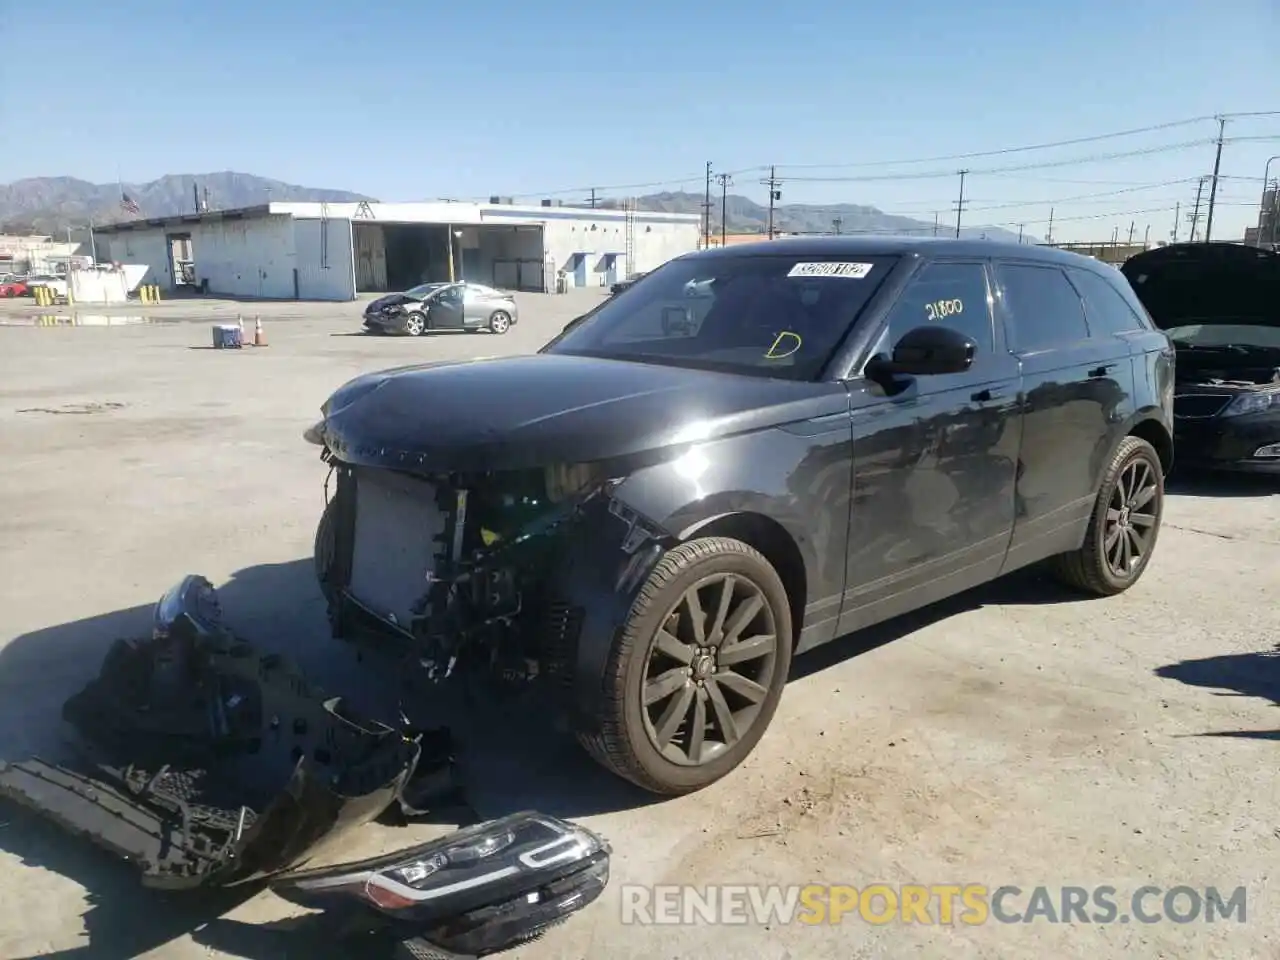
(1047, 165)
(1005, 151)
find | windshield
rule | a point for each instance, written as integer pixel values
(424, 290)
(770, 316)
(1218, 334)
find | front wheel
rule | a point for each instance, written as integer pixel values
(415, 324)
(500, 322)
(1124, 526)
(696, 673)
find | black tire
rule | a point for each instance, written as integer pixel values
(625, 742)
(499, 322)
(415, 324)
(1090, 569)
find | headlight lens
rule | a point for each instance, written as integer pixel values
(1259, 402)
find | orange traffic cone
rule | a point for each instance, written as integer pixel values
(259, 338)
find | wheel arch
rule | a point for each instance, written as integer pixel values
(774, 542)
(1155, 433)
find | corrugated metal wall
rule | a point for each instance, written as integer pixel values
(323, 259)
(370, 257)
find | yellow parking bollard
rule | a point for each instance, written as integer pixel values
(157, 293)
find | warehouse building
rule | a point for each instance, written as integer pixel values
(336, 251)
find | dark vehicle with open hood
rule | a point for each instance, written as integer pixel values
(752, 452)
(1220, 305)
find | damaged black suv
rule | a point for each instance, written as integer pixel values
(746, 454)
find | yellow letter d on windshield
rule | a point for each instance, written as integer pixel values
(784, 340)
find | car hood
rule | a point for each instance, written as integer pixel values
(1204, 283)
(392, 300)
(532, 411)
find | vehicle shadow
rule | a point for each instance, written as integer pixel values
(1233, 675)
(510, 757)
(510, 761)
(1199, 483)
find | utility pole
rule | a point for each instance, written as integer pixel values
(773, 183)
(1195, 213)
(961, 202)
(592, 199)
(1213, 189)
(1146, 237)
(1131, 226)
(1177, 214)
(837, 223)
(1020, 226)
(706, 212)
(935, 223)
(195, 195)
(1049, 236)
(724, 179)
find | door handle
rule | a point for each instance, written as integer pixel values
(1101, 371)
(986, 396)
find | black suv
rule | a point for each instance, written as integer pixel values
(746, 454)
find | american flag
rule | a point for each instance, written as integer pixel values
(129, 203)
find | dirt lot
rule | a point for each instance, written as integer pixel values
(1016, 735)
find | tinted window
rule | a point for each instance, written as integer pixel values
(771, 316)
(948, 294)
(1045, 308)
(1109, 312)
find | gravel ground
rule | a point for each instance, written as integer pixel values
(1014, 735)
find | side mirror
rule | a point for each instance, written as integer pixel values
(675, 320)
(925, 351)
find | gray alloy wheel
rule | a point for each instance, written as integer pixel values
(415, 324)
(500, 322)
(1125, 524)
(695, 678)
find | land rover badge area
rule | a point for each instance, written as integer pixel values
(1220, 305)
(747, 454)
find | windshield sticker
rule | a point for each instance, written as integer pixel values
(941, 309)
(784, 345)
(844, 271)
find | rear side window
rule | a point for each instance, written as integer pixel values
(1109, 312)
(1046, 311)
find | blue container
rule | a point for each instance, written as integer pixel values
(226, 337)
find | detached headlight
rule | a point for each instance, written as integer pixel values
(475, 891)
(1259, 402)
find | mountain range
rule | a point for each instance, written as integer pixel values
(54, 205)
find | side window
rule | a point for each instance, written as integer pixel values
(1046, 311)
(950, 294)
(1109, 312)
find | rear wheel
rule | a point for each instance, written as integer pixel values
(415, 324)
(1124, 526)
(695, 676)
(500, 322)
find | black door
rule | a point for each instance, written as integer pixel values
(446, 311)
(1076, 386)
(932, 507)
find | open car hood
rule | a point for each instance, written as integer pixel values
(1205, 283)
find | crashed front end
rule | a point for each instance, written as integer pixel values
(494, 574)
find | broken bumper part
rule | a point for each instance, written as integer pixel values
(474, 892)
(207, 763)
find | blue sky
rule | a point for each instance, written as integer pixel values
(414, 100)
